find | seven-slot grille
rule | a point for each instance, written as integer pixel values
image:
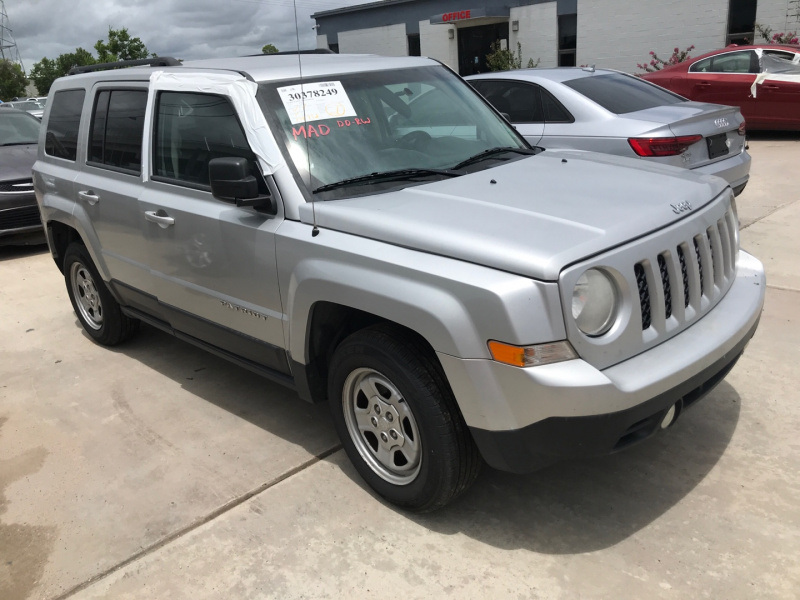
(697, 268)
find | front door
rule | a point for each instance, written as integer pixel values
(213, 263)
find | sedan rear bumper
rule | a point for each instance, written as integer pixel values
(735, 170)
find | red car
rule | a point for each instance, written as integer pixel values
(727, 76)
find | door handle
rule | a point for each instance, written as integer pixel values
(160, 217)
(772, 86)
(89, 196)
(703, 84)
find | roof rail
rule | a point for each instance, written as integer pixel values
(314, 51)
(158, 61)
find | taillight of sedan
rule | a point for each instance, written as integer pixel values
(663, 146)
(742, 129)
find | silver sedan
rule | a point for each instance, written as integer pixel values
(607, 111)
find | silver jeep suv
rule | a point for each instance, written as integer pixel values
(371, 233)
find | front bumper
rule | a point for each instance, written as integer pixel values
(19, 214)
(522, 419)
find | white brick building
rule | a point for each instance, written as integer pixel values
(608, 33)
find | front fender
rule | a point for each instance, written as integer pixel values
(456, 306)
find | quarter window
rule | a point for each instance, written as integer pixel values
(117, 128)
(61, 139)
(192, 129)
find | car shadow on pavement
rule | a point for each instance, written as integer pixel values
(16, 251)
(774, 136)
(263, 403)
(567, 508)
(582, 506)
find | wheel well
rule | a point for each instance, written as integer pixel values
(331, 323)
(60, 237)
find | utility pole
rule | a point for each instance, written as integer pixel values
(8, 47)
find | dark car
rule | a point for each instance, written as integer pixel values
(763, 81)
(19, 213)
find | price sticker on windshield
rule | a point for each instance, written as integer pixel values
(316, 101)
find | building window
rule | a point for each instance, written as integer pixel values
(567, 40)
(413, 44)
(741, 21)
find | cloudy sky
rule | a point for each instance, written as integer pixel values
(187, 29)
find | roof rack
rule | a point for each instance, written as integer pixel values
(314, 51)
(158, 61)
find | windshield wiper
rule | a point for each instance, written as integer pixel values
(491, 152)
(18, 143)
(399, 174)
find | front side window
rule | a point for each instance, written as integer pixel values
(61, 139)
(620, 94)
(117, 128)
(352, 125)
(191, 129)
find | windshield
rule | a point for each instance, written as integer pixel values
(18, 128)
(359, 124)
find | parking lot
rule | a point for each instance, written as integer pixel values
(156, 470)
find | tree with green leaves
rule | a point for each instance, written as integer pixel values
(47, 70)
(269, 49)
(120, 46)
(12, 80)
(503, 59)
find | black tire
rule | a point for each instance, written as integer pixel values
(94, 305)
(431, 457)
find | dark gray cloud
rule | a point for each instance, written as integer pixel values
(187, 29)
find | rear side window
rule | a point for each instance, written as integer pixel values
(520, 101)
(192, 129)
(731, 62)
(620, 94)
(117, 128)
(61, 139)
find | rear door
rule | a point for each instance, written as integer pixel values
(212, 263)
(110, 177)
(520, 101)
(726, 79)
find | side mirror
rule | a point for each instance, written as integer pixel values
(232, 182)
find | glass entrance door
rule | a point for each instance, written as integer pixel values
(474, 43)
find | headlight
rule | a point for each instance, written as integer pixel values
(594, 302)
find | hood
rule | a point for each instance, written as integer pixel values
(16, 162)
(532, 217)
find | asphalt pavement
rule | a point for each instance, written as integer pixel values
(156, 470)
